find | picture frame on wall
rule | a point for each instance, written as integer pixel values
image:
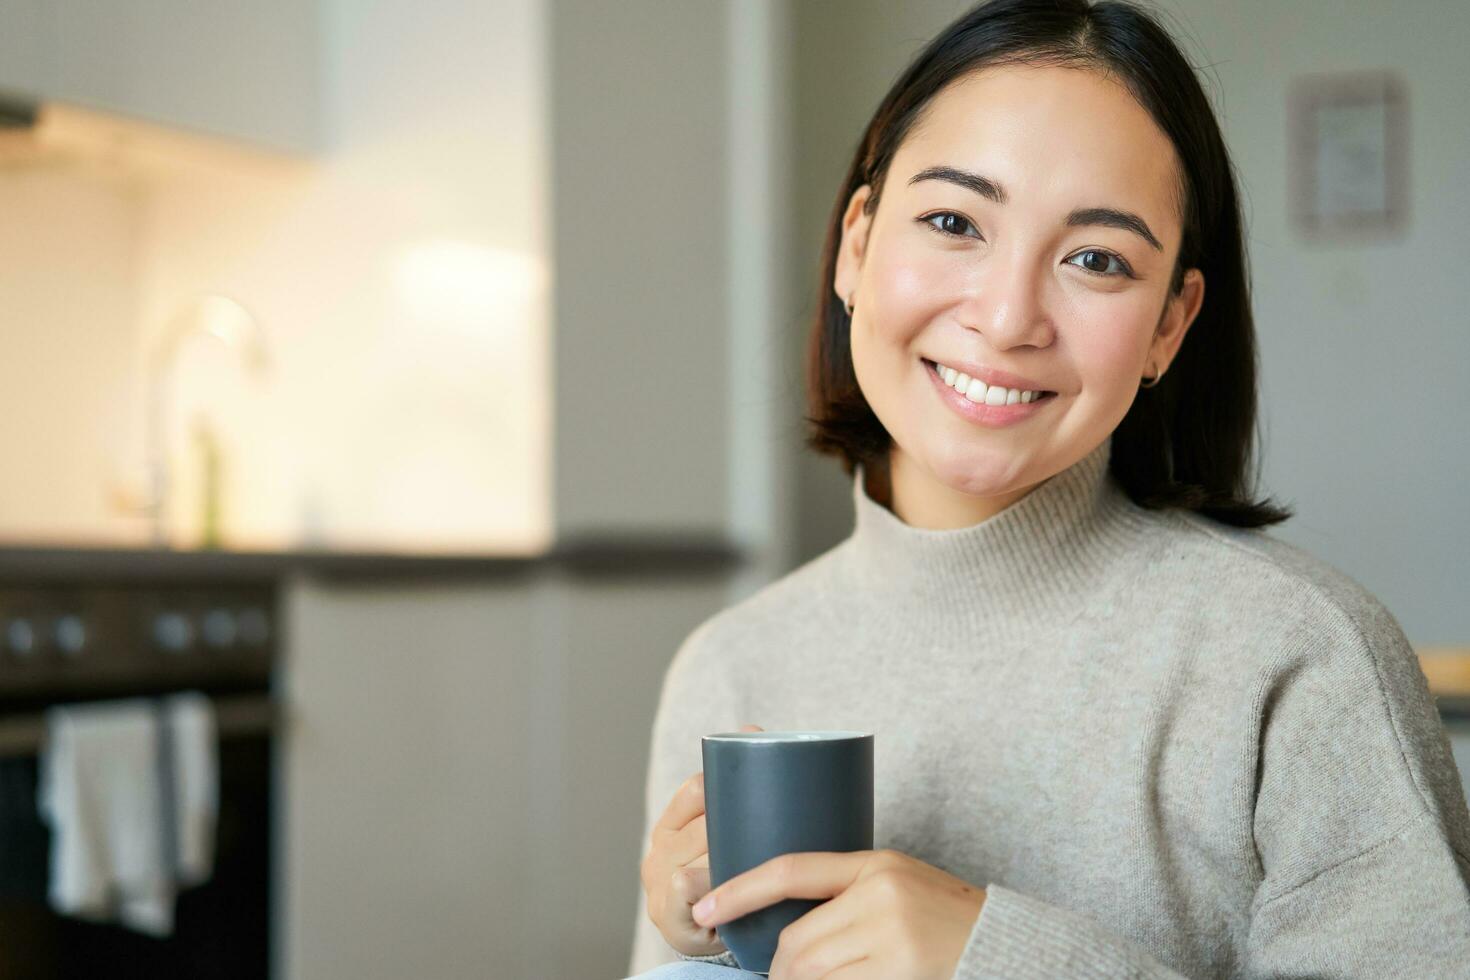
(1348, 139)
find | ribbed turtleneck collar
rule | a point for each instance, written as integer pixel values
(1011, 576)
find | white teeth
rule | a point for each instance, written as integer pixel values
(981, 393)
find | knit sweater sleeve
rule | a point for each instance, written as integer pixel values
(697, 699)
(1359, 825)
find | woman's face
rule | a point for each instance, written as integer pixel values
(971, 261)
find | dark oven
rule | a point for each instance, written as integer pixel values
(66, 639)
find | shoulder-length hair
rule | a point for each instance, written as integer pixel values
(1185, 442)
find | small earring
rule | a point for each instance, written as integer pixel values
(849, 306)
(1149, 383)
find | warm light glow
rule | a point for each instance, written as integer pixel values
(395, 302)
(231, 323)
(466, 286)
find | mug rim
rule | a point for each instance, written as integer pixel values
(793, 735)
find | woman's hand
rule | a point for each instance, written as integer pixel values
(891, 917)
(675, 872)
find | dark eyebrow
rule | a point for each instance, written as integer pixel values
(987, 188)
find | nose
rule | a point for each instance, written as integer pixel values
(1007, 302)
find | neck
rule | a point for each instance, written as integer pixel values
(1014, 574)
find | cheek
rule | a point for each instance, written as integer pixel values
(907, 291)
(1110, 341)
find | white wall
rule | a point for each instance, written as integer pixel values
(68, 305)
(400, 277)
(1362, 345)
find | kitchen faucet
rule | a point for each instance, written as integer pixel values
(212, 315)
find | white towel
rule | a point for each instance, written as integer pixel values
(123, 838)
(99, 790)
(196, 784)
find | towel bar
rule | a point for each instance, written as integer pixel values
(233, 715)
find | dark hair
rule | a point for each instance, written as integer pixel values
(1185, 442)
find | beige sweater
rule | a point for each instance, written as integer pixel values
(1166, 747)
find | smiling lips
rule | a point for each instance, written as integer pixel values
(1011, 404)
(993, 393)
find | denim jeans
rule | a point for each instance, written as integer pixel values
(696, 971)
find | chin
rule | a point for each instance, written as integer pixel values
(978, 474)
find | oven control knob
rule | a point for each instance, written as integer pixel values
(20, 637)
(173, 632)
(220, 629)
(254, 627)
(69, 633)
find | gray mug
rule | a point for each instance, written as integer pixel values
(772, 793)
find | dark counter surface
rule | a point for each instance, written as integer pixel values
(620, 554)
(1454, 707)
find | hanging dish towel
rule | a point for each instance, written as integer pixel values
(130, 789)
(190, 730)
(99, 789)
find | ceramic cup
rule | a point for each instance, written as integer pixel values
(771, 793)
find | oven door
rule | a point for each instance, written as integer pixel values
(221, 927)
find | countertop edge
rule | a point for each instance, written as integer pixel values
(618, 554)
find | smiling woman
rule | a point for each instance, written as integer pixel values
(1120, 729)
(1044, 262)
(1049, 175)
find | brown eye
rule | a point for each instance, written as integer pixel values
(1097, 262)
(950, 224)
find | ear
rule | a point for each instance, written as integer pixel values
(854, 243)
(1179, 314)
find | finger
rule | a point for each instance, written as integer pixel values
(688, 844)
(806, 874)
(822, 957)
(685, 886)
(688, 803)
(862, 969)
(827, 919)
(690, 885)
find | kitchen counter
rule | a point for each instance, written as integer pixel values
(622, 555)
(1448, 672)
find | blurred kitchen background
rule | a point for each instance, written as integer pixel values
(411, 378)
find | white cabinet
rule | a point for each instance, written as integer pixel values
(465, 763)
(248, 71)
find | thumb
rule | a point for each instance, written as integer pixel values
(751, 728)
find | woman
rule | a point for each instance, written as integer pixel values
(1121, 730)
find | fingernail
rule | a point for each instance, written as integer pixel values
(704, 908)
